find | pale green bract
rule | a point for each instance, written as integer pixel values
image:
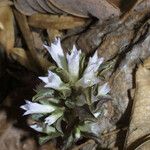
(66, 106)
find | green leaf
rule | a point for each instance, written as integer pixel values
(44, 93)
(58, 125)
(82, 64)
(45, 139)
(69, 142)
(37, 117)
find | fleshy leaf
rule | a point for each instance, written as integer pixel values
(53, 117)
(43, 94)
(43, 129)
(77, 133)
(45, 139)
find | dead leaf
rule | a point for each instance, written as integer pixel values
(97, 8)
(53, 33)
(27, 34)
(48, 146)
(44, 21)
(44, 5)
(55, 9)
(24, 7)
(23, 57)
(5, 3)
(12, 138)
(6, 28)
(140, 122)
(35, 6)
(88, 145)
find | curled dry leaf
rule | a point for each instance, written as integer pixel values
(39, 61)
(113, 37)
(56, 22)
(19, 55)
(97, 8)
(11, 137)
(53, 33)
(122, 78)
(48, 146)
(34, 4)
(44, 5)
(5, 2)
(23, 57)
(140, 122)
(88, 145)
(53, 8)
(6, 28)
(24, 7)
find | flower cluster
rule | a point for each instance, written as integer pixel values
(66, 105)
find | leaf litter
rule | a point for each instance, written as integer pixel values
(122, 39)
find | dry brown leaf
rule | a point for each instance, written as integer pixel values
(44, 5)
(55, 22)
(39, 61)
(48, 146)
(144, 146)
(140, 122)
(89, 145)
(113, 37)
(53, 33)
(6, 28)
(97, 8)
(5, 3)
(23, 57)
(24, 7)
(53, 8)
(12, 138)
(35, 6)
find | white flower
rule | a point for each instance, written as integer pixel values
(46, 129)
(90, 74)
(36, 127)
(103, 90)
(53, 81)
(35, 108)
(57, 53)
(73, 61)
(53, 117)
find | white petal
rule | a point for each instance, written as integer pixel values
(52, 81)
(94, 63)
(88, 81)
(36, 127)
(57, 53)
(73, 62)
(52, 118)
(44, 79)
(47, 129)
(90, 74)
(104, 89)
(33, 108)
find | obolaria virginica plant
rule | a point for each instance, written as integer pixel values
(67, 104)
